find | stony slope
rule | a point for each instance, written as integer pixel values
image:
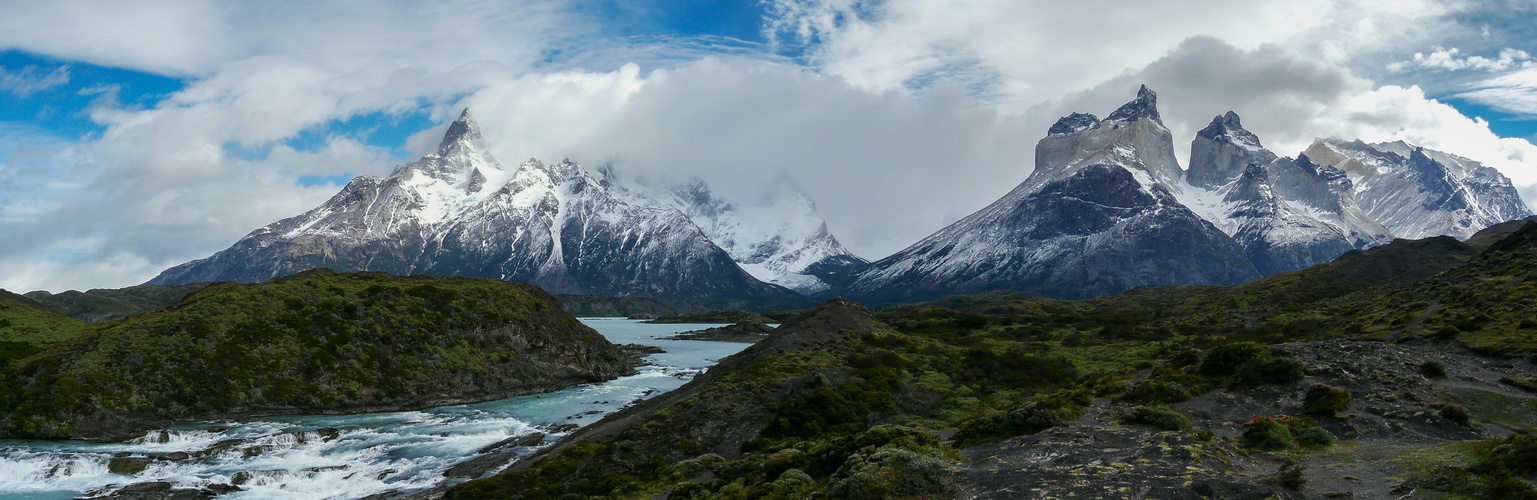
(317, 342)
(458, 212)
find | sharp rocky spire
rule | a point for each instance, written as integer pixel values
(463, 128)
(1145, 105)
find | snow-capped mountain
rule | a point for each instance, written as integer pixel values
(1417, 192)
(778, 237)
(1287, 214)
(457, 212)
(1097, 216)
(1276, 237)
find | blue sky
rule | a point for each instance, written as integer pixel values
(63, 109)
(135, 135)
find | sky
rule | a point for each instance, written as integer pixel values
(137, 135)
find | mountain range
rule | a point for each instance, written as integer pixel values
(1107, 208)
(459, 212)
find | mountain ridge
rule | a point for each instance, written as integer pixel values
(457, 212)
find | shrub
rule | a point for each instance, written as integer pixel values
(1041, 412)
(890, 472)
(1314, 436)
(1434, 368)
(1157, 391)
(1184, 358)
(1268, 433)
(1224, 360)
(1271, 370)
(794, 476)
(1034, 415)
(1322, 399)
(1290, 476)
(1455, 413)
(1161, 417)
(694, 466)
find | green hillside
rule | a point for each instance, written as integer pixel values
(313, 342)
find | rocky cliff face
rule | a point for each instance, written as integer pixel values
(1417, 192)
(1098, 216)
(457, 212)
(1276, 237)
(1287, 214)
(1222, 151)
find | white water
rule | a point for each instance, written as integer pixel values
(289, 458)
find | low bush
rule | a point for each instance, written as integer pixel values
(1271, 370)
(1434, 368)
(1268, 433)
(1034, 415)
(1157, 392)
(1456, 413)
(1314, 436)
(1039, 413)
(890, 472)
(1161, 417)
(1290, 476)
(1326, 400)
(1224, 360)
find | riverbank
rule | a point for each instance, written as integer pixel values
(367, 454)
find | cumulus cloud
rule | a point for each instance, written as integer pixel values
(884, 168)
(897, 118)
(160, 186)
(1443, 59)
(1033, 51)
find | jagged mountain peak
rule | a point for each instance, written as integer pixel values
(461, 161)
(1227, 127)
(1073, 123)
(1143, 146)
(1253, 184)
(1417, 192)
(1144, 106)
(1324, 172)
(462, 129)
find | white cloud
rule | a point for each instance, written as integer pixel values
(1514, 92)
(1032, 51)
(908, 114)
(1288, 100)
(1442, 59)
(31, 79)
(884, 168)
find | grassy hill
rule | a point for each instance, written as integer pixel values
(1342, 378)
(98, 305)
(312, 342)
